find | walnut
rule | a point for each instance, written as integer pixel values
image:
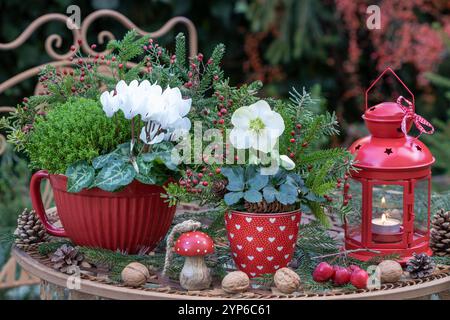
(135, 274)
(235, 282)
(286, 280)
(390, 271)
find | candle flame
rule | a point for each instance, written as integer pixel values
(383, 202)
(383, 218)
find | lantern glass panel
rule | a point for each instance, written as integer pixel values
(387, 213)
(421, 205)
(353, 218)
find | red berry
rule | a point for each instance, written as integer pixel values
(195, 181)
(80, 61)
(79, 41)
(323, 272)
(223, 111)
(120, 65)
(292, 133)
(349, 197)
(341, 276)
(221, 121)
(73, 48)
(359, 279)
(338, 185)
(93, 46)
(339, 180)
(210, 61)
(205, 183)
(292, 155)
(299, 126)
(345, 202)
(221, 98)
(292, 140)
(216, 77)
(200, 175)
(218, 170)
(346, 177)
(200, 57)
(304, 144)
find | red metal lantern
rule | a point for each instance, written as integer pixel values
(391, 189)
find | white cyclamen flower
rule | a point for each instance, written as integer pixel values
(287, 162)
(110, 103)
(256, 126)
(166, 112)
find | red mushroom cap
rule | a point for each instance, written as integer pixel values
(194, 243)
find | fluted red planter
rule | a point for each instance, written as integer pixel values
(262, 243)
(132, 220)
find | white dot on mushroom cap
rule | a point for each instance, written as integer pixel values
(187, 242)
(204, 242)
(206, 250)
(185, 249)
(198, 250)
(178, 249)
(196, 235)
(198, 241)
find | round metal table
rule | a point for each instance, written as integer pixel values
(56, 285)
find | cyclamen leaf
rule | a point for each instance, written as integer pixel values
(101, 161)
(114, 176)
(145, 179)
(233, 197)
(253, 196)
(79, 176)
(269, 194)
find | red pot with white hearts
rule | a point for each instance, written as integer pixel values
(262, 243)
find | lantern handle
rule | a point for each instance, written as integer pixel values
(398, 78)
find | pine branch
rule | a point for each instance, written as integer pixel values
(180, 52)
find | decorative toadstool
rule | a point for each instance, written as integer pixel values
(195, 275)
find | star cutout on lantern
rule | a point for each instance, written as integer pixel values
(418, 148)
(388, 151)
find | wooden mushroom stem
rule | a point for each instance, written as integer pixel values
(195, 275)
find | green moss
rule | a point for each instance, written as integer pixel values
(76, 130)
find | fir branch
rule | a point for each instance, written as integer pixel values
(180, 52)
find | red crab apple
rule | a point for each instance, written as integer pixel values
(359, 279)
(353, 267)
(323, 272)
(341, 275)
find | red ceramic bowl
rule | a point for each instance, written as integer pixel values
(132, 220)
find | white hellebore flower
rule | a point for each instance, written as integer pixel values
(287, 162)
(256, 126)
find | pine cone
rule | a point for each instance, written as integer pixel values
(65, 257)
(219, 188)
(30, 229)
(420, 266)
(440, 233)
(264, 207)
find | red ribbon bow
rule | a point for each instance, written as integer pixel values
(418, 120)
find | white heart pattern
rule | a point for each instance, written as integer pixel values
(237, 226)
(239, 247)
(248, 220)
(270, 258)
(259, 249)
(243, 265)
(235, 254)
(280, 248)
(252, 274)
(293, 245)
(293, 218)
(260, 267)
(291, 236)
(286, 256)
(229, 216)
(271, 239)
(250, 258)
(276, 267)
(259, 229)
(282, 228)
(272, 220)
(231, 235)
(249, 239)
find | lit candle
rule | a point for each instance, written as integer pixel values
(385, 224)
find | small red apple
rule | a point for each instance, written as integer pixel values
(323, 272)
(359, 279)
(341, 276)
(353, 267)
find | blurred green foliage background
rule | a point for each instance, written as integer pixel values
(323, 45)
